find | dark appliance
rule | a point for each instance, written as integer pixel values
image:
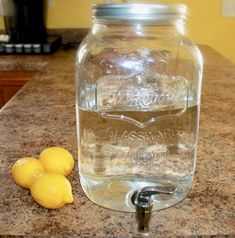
(24, 22)
(26, 25)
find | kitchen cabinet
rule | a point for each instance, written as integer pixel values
(11, 82)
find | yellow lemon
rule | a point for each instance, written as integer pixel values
(25, 169)
(51, 190)
(57, 159)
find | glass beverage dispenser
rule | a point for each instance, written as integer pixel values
(138, 87)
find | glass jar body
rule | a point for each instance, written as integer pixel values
(138, 97)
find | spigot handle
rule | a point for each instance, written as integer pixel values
(142, 199)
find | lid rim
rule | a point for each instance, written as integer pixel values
(138, 11)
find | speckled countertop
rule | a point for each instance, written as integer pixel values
(42, 114)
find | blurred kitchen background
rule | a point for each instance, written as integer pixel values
(210, 22)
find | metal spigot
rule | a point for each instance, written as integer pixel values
(142, 199)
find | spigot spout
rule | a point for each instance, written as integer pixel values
(143, 216)
(142, 199)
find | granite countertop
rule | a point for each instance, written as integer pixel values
(42, 114)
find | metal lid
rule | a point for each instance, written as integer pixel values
(156, 12)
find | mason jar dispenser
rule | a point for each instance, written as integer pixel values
(138, 85)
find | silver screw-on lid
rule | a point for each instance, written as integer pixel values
(139, 11)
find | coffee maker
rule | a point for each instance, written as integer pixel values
(24, 22)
